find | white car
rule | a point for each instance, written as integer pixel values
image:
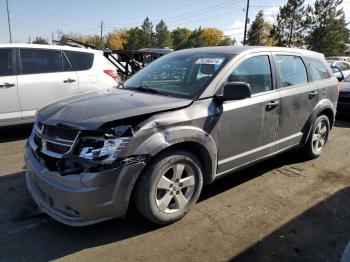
(32, 76)
(342, 65)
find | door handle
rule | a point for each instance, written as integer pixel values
(6, 85)
(69, 80)
(272, 105)
(313, 94)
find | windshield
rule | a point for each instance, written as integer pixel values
(178, 74)
(347, 79)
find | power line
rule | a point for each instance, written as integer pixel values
(8, 20)
(209, 9)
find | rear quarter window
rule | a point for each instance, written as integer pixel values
(79, 60)
(318, 70)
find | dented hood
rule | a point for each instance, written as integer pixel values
(89, 111)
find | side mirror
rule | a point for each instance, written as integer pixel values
(234, 91)
(338, 73)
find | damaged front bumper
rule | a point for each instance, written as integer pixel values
(83, 198)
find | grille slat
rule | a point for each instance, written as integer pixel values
(60, 133)
(54, 141)
(59, 149)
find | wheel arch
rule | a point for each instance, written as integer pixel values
(324, 107)
(194, 140)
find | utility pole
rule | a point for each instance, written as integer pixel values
(246, 24)
(101, 29)
(8, 20)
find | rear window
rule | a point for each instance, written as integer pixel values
(79, 60)
(318, 70)
(38, 61)
(5, 62)
(345, 66)
(292, 70)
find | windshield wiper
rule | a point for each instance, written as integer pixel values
(148, 89)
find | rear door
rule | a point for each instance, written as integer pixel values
(299, 96)
(10, 109)
(247, 128)
(46, 76)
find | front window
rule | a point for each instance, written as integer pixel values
(179, 74)
(347, 79)
(256, 72)
(5, 62)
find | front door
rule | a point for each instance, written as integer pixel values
(10, 109)
(45, 77)
(247, 128)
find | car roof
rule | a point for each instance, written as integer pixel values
(235, 50)
(53, 47)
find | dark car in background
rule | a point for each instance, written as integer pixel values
(344, 97)
(185, 120)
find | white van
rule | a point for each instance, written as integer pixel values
(32, 76)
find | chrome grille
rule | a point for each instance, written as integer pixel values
(54, 141)
(60, 133)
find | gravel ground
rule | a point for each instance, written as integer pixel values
(285, 209)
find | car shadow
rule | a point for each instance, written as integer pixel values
(42, 238)
(15, 133)
(321, 233)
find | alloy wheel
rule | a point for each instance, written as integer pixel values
(319, 136)
(175, 188)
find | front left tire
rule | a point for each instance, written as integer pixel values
(169, 187)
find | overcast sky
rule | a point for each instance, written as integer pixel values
(32, 18)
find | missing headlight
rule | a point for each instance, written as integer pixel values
(105, 150)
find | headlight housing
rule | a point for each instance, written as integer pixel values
(105, 150)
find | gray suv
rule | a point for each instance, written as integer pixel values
(182, 122)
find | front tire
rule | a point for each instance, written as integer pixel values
(318, 137)
(169, 187)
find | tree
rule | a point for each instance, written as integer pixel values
(226, 41)
(116, 39)
(329, 32)
(95, 40)
(213, 36)
(133, 39)
(291, 22)
(40, 41)
(147, 36)
(259, 32)
(197, 38)
(180, 38)
(163, 36)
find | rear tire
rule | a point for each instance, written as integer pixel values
(169, 187)
(318, 137)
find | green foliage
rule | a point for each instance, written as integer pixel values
(291, 24)
(163, 36)
(40, 41)
(329, 32)
(259, 32)
(197, 38)
(180, 38)
(133, 39)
